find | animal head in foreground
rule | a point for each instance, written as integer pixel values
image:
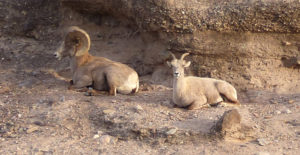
(76, 43)
(178, 65)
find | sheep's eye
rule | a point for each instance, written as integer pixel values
(76, 41)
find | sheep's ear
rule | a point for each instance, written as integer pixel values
(169, 64)
(187, 64)
(78, 45)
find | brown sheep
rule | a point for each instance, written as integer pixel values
(98, 72)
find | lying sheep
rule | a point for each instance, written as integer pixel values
(195, 92)
(98, 72)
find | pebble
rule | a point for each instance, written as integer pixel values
(274, 102)
(277, 112)
(96, 136)
(113, 101)
(291, 101)
(166, 102)
(262, 153)
(32, 128)
(138, 108)
(288, 111)
(171, 131)
(187, 134)
(262, 141)
(105, 139)
(100, 132)
(286, 43)
(62, 99)
(108, 111)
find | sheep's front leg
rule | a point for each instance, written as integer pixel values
(200, 103)
(112, 90)
(72, 87)
(94, 92)
(80, 84)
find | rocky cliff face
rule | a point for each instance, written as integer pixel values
(188, 16)
(252, 44)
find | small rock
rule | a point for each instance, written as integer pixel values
(171, 131)
(62, 99)
(96, 136)
(32, 128)
(274, 102)
(262, 141)
(108, 111)
(187, 134)
(291, 101)
(277, 112)
(288, 111)
(138, 108)
(105, 139)
(39, 122)
(113, 101)
(268, 117)
(4, 90)
(99, 132)
(195, 115)
(286, 43)
(262, 153)
(229, 122)
(19, 115)
(166, 102)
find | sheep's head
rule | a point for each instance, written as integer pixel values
(178, 65)
(76, 43)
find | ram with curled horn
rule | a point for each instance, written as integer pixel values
(95, 72)
(195, 92)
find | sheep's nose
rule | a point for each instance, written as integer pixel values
(176, 74)
(55, 55)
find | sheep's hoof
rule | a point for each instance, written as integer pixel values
(88, 94)
(196, 106)
(223, 104)
(205, 106)
(226, 104)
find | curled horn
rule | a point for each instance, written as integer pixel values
(174, 57)
(183, 55)
(83, 38)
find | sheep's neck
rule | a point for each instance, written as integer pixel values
(178, 86)
(78, 61)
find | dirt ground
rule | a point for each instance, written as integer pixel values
(39, 115)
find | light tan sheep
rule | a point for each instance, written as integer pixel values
(97, 72)
(195, 92)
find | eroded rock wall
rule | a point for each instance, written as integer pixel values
(252, 43)
(245, 42)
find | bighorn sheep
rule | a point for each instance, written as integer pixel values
(195, 92)
(98, 72)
